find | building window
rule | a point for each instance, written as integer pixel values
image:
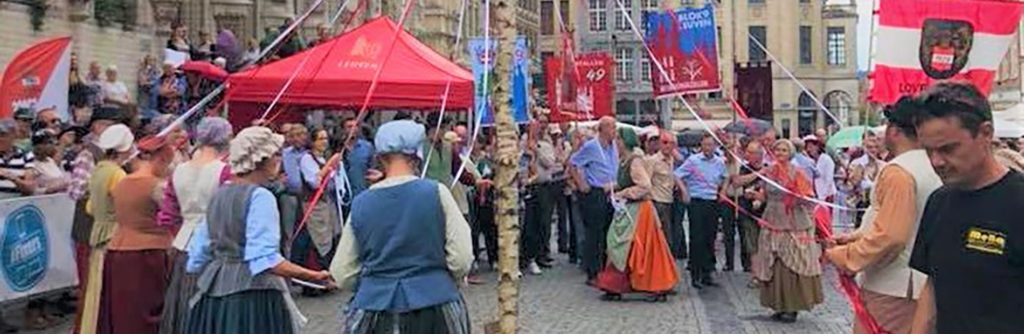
(687, 3)
(622, 21)
(624, 64)
(562, 21)
(805, 45)
(716, 95)
(625, 111)
(807, 115)
(598, 15)
(645, 68)
(547, 18)
(649, 5)
(786, 124)
(836, 46)
(756, 53)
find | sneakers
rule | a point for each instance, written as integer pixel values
(533, 268)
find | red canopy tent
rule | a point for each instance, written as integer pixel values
(338, 74)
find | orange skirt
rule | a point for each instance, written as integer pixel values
(650, 265)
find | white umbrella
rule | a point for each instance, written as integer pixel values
(1005, 127)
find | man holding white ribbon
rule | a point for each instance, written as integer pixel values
(880, 249)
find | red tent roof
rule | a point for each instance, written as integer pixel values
(338, 73)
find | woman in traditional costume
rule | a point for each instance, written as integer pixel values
(639, 259)
(407, 244)
(186, 198)
(786, 262)
(137, 265)
(116, 145)
(315, 242)
(236, 250)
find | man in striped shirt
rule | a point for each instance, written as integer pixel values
(16, 165)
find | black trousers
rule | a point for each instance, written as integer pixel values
(548, 198)
(703, 229)
(536, 231)
(597, 216)
(677, 240)
(564, 223)
(668, 227)
(730, 227)
(483, 224)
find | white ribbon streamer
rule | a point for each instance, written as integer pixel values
(447, 90)
(667, 78)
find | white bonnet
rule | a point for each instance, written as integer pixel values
(251, 146)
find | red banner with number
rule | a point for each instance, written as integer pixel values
(580, 89)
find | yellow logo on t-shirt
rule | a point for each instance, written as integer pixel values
(987, 241)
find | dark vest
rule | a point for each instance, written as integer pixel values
(400, 231)
(227, 273)
(625, 177)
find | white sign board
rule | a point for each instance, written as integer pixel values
(36, 253)
(175, 57)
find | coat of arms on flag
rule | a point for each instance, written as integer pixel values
(945, 47)
(961, 40)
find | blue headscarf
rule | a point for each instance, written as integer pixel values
(402, 136)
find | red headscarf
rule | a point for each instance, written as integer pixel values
(794, 180)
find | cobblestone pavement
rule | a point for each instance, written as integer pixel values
(559, 302)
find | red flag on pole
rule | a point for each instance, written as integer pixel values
(585, 96)
(924, 41)
(37, 78)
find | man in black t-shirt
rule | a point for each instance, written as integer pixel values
(971, 238)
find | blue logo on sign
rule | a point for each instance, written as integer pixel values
(25, 255)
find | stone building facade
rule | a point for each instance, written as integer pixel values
(816, 40)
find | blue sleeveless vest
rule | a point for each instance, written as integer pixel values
(400, 231)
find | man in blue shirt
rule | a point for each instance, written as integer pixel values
(358, 157)
(595, 171)
(804, 162)
(297, 138)
(702, 175)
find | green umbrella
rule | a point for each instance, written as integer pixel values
(851, 136)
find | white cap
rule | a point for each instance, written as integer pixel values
(554, 129)
(116, 137)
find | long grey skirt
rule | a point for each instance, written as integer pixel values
(252, 311)
(181, 288)
(449, 318)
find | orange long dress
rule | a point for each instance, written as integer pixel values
(639, 259)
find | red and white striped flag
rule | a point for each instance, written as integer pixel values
(924, 41)
(37, 78)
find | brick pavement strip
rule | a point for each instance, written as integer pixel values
(559, 302)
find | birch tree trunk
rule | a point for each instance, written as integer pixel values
(507, 158)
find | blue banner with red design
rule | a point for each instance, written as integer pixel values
(685, 43)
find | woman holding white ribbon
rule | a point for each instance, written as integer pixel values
(786, 263)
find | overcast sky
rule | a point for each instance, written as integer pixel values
(863, 33)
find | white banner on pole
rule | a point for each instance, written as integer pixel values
(36, 253)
